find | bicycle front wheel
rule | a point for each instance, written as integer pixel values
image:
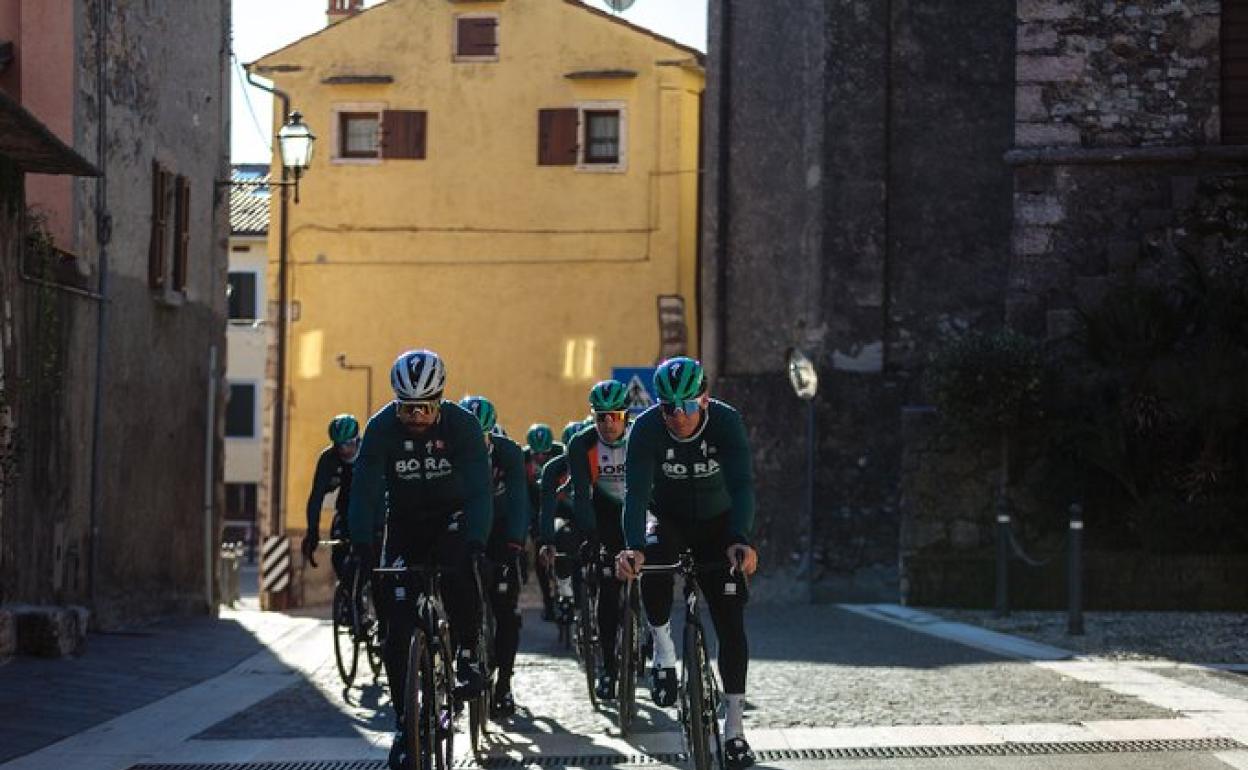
(444, 701)
(346, 643)
(586, 631)
(628, 658)
(418, 702)
(698, 721)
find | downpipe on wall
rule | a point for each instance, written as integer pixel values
(209, 445)
(103, 233)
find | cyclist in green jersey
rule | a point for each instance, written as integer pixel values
(689, 463)
(555, 531)
(596, 467)
(505, 548)
(424, 470)
(540, 449)
(333, 473)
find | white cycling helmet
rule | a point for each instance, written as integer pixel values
(418, 375)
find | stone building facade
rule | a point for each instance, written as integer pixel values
(118, 310)
(933, 168)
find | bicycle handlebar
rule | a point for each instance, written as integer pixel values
(332, 542)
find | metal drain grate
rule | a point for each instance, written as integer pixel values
(1202, 745)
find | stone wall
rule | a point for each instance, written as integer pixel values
(1098, 73)
(877, 131)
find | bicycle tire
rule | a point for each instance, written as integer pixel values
(444, 700)
(585, 632)
(693, 696)
(346, 642)
(627, 656)
(712, 697)
(417, 705)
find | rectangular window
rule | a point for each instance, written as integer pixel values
(156, 250)
(357, 133)
(403, 134)
(242, 297)
(240, 413)
(476, 38)
(1234, 72)
(602, 136)
(181, 231)
(240, 502)
(557, 137)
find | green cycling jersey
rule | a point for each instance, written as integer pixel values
(691, 479)
(511, 504)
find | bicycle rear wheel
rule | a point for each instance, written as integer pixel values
(418, 702)
(368, 625)
(346, 643)
(697, 722)
(628, 658)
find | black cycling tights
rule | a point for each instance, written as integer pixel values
(709, 541)
(503, 589)
(444, 540)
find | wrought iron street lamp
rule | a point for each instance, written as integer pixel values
(295, 142)
(805, 381)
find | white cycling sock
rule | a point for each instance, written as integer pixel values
(664, 647)
(734, 712)
(564, 586)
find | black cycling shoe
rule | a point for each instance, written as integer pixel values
(605, 688)
(469, 681)
(737, 754)
(503, 705)
(399, 759)
(663, 686)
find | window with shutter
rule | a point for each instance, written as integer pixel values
(357, 135)
(403, 134)
(160, 223)
(557, 131)
(476, 37)
(602, 136)
(1235, 71)
(181, 232)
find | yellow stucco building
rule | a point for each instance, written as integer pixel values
(512, 183)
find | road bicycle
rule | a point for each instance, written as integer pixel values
(354, 620)
(479, 707)
(428, 690)
(630, 656)
(700, 696)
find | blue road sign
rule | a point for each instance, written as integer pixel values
(640, 383)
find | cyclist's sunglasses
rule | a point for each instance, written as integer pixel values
(688, 406)
(413, 408)
(618, 415)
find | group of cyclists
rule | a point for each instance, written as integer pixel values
(434, 481)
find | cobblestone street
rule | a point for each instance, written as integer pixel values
(865, 681)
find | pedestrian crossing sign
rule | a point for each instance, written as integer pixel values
(639, 383)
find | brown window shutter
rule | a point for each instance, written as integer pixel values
(1234, 36)
(156, 249)
(182, 232)
(476, 37)
(557, 137)
(403, 134)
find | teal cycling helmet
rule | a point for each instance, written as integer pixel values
(679, 379)
(540, 438)
(343, 428)
(570, 430)
(608, 396)
(482, 409)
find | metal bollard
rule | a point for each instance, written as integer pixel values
(1074, 572)
(1003, 559)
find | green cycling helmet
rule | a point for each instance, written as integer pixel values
(571, 429)
(608, 396)
(482, 409)
(679, 379)
(343, 428)
(540, 438)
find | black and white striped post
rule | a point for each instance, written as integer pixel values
(275, 569)
(1074, 572)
